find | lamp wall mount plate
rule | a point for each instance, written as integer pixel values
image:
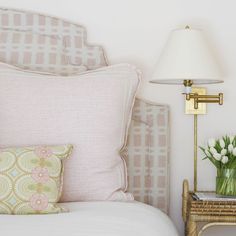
(189, 104)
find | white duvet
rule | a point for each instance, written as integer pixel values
(92, 219)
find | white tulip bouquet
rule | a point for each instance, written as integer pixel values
(221, 152)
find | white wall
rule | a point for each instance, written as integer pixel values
(135, 31)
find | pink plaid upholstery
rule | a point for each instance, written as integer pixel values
(76, 50)
(146, 153)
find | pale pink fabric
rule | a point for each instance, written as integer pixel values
(90, 111)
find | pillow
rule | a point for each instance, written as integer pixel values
(31, 179)
(35, 51)
(91, 111)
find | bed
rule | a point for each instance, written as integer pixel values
(146, 153)
(93, 218)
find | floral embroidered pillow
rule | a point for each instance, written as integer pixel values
(31, 179)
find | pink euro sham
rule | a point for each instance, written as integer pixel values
(91, 111)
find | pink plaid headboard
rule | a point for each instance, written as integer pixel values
(147, 154)
(28, 37)
(50, 35)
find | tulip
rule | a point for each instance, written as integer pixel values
(207, 153)
(231, 139)
(234, 152)
(222, 143)
(224, 159)
(217, 156)
(223, 152)
(230, 148)
(213, 150)
(211, 142)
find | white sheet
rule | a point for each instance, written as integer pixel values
(92, 219)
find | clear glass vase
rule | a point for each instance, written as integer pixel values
(226, 182)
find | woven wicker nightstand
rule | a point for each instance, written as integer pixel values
(210, 212)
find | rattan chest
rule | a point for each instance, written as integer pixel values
(209, 212)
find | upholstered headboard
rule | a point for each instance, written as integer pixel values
(62, 44)
(66, 36)
(147, 154)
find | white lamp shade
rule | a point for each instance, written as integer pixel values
(186, 56)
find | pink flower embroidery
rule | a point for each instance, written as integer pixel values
(38, 202)
(43, 152)
(40, 175)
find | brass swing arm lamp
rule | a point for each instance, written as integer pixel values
(186, 60)
(195, 99)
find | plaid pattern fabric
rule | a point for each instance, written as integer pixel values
(33, 51)
(147, 154)
(76, 50)
(147, 150)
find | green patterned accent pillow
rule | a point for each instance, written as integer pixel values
(31, 179)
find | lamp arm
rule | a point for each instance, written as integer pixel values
(204, 98)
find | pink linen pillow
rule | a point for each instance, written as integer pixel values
(91, 111)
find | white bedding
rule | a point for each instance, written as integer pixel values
(92, 219)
